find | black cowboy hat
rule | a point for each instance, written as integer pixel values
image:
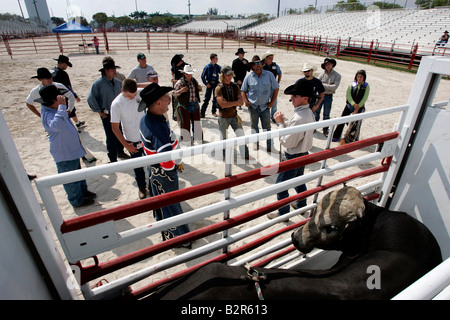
(150, 94)
(302, 88)
(176, 58)
(240, 50)
(49, 93)
(63, 58)
(333, 62)
(108, 63)
(42, 73)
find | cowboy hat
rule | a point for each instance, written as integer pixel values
(188, 69)
(49, 93)
(108, 63)
(240, 50)
(302, 88)
(332, 61)
(151, 94)
(226, 70)
(268, 53)
(176, 59)
(254, 60)
(308, 66)
(42, 73)
(64, 59)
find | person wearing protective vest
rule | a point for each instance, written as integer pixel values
(188, 112)
(357, 95)
(156, 138)
(228, 95)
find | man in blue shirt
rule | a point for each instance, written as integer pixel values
(260, 90)
(65, 144)
(103, 91)
(210, 77)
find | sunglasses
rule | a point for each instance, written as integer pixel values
(257, 63)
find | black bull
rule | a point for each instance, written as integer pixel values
(382, 253)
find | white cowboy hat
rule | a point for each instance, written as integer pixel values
(308, 66)
(188, 69)
(268, 53)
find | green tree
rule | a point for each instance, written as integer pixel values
(138, 15)
(100, 18)
(212, 12)
(57, 20)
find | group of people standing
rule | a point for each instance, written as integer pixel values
(134, 114)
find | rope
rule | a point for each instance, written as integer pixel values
(254, 275)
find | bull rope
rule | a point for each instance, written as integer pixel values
(254, 275)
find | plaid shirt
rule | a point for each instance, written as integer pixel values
(191, 86)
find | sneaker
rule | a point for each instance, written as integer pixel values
(335, 140)
(214, 114)
(80, 123)
(325, 133)
(123, 155)
(142, 193)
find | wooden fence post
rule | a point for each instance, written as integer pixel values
(148, 41)
(8, 47)
(413, 56)
(370, 52)
(106, 41)
(58, 38)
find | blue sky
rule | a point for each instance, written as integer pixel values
(87, 8)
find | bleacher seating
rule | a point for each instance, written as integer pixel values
(215, 25)
(400, 26)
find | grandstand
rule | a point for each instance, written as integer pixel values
(221, 25)
(18, 28)
(400, 26)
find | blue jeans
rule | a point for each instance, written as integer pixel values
(163, 182)
(273, 109)
(290, 174)
(326, 103)
(139, 173)
(209, 91)
(113, 144)
(233, 122)
(74, 190)
(264, 115)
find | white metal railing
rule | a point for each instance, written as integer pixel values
(75, 252)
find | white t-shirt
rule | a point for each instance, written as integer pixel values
(125, 111)
(140, 74)
(34, 94)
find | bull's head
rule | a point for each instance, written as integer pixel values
(333, 217)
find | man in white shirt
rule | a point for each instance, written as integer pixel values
(124, 111)
(45, 77)
(139, 73)
(296, 144)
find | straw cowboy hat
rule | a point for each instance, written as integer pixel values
(268, 53)
(308, 66)
(188, 69)
(151, 94)
(255, 59)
